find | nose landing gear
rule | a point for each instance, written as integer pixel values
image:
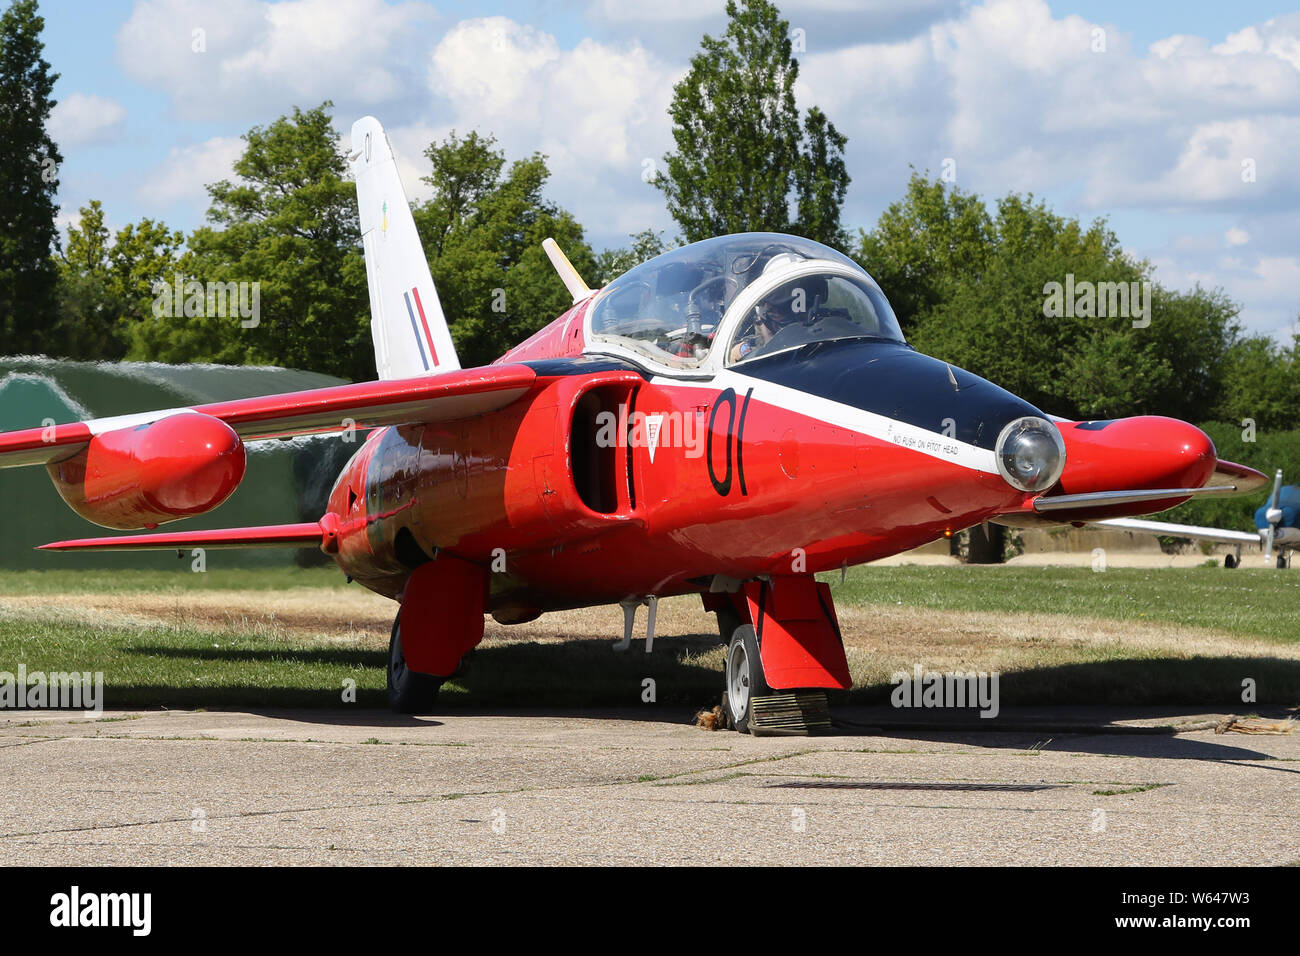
(754, 707)
(779, 667)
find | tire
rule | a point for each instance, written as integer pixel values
(1229, 561)
(744, 678)
(409, 692)
(1281, 561)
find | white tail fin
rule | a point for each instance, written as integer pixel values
(406, 321)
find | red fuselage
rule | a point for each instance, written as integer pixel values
(797, 464)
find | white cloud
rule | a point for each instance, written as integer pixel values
(1269, 285)
(491, 64)
(598, 112)
(674, 26)
(82, 119)
(219, 59)
(1015, 95)
(188, 169)
(670, 10)
(1018, 96)
(1020, 100)
(1276, 37)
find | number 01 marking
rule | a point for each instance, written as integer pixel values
(723, 485)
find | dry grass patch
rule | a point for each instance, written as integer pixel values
(568, 656)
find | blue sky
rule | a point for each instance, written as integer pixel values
(1149, 131)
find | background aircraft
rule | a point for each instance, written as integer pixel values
(726, 419)
(1277, 524)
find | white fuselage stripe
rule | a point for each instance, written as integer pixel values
(880, 427)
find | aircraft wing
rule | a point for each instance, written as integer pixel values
(422, 399)
(1178, 530)
(1245, 479)
(266, 536)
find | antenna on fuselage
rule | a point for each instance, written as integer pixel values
(568, 275)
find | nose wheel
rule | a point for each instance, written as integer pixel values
(753, 707)
(744, 676)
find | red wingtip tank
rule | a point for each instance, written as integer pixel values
(177, 467)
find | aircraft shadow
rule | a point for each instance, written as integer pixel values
(586, 678)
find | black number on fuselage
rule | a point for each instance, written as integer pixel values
(728, 398)
(740, 444)
(723, 485)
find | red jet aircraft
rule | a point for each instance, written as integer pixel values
(727, 419)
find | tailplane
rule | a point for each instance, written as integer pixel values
(410, 332)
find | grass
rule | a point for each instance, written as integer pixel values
(1248, 601)
(1255, 601)
(1012, 619)
(17, 583)
(186, 667)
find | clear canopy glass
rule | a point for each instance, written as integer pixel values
(670, 308)
(813, 308)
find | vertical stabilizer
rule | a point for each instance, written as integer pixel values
(406, 322)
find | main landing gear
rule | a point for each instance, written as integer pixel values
(409, 692)
(440, 621)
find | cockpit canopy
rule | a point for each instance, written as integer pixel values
(812, 308)
(789, 291)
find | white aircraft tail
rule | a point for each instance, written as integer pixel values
(406, 322)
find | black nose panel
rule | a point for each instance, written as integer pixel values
(900, 383)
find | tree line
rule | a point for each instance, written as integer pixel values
(968, 279)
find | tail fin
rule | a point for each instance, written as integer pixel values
(406, 321)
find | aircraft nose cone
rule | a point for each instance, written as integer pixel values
(1193, 455)
(1148, 451)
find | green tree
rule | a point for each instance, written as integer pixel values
(971, 287)
(924, 245)
(822, 181)
(107, 284)
(1261, 382)
(742, 154)
(29, 163)
(86, 327)
(482, 231)
(612, 263)
(289, 224)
